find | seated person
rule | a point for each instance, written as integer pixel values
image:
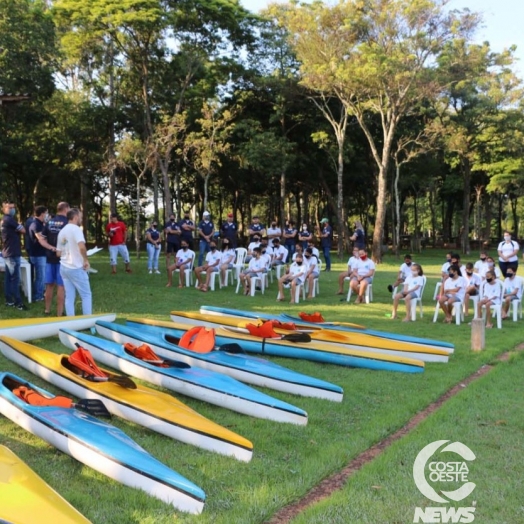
(473, 282)
(279, 253)
(455, 260)
(364, 271)
(481, 265)
(512, 290)
(211, 265)
(445, 267)
(316, 252)
(345, 274)
(493, 267)
(227, 259)
(411, 289)
(267, 252)
(491, 292)
(313, 271)
(404, 272)
(298, 251)
(294, 276)
(257, 267)
(183, 259)
(454, 291)
(252, 245)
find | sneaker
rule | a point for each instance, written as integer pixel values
(10, 304)
(157, 272)
(39, 299)
(21, 307)
(390, 288)
(150, 271)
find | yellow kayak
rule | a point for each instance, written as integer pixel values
(331, 338)
(145, 406)
(26, 499)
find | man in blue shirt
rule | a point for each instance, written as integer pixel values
(229, 230)
(256, 228)
(187, 226)
(12, 252)
(290, 236)
(38, 253)
(326, 239)
(172, 233)
(206, 230)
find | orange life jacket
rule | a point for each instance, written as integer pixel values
(145, 353)
(198, 339)
(34, 398)
(312, 317)
(264, 330)
(290, 326)
(83, 360)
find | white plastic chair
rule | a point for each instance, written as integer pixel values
(418, 301)
(239, 263)
(457, 311)
(316, 286)
(189, 270)
(437, 290)
(516, 305)
(278, 269)
(368, 296)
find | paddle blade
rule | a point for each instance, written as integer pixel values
(231, 348)
(125, 382)
(94, 407)
(297, 337)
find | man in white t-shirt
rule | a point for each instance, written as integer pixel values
(364, 271)
(403, 273)
(481, 265)
(473, 283)
(183, 259)
(252, 245)
(273, 232)
(227, 260)
(491, 296)
(508, 251)
(512, 290)
(256, 268)
(279, 254)
(211, 265)
(313, 270)
(295, 276)
(412, 288)
(71, 247)
(445, 267)
(351, 265)
(454, 291)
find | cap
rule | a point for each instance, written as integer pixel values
(205, 213)
(324, 220)
(230, 215)
(114, 215)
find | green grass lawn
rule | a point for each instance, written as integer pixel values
(287, 460)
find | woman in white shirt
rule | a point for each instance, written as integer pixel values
(491, 296)
(412, 289)
(508, 251)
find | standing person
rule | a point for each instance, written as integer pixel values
(359, 237)
(172, 234)
(305, 236)
(116, 230)
(326, 239)
(508, 251)
(12, 253)
(53, 278)
(454, 291)
(38, 252)
(74, 264)
(154, 245)
(206, 230)
(187, 226)
(290, 239)
(229, 230)
(273, 232)
(256, 228)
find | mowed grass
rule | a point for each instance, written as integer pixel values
(288, 460)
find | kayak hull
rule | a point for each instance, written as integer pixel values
(249, 369)
(214, 388)
(31, 328)
(25, 498)
(101, 447)
(153, 409)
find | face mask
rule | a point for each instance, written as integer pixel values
(469, 273)
(510, 275)
(299, 263)
(489, 279)
(448, 259)
(414, 273)
(213, 248)
(408, 264)
(184, 247)
(363, 257)
(308, 256)
(154, 226)
(451, 274)
(263, 251)
(172, 219)
(507, 239)
(186, 217)
(483, 259)
(273, 225)
(12, 212)
(304, 228)
(490, 264)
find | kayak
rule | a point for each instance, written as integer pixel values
(148, 407)
(25, 498)
(249, 369)
(98, 445)
(288, 347)
(335, 326)
(31, 328)
(354, 340)
(195, 382)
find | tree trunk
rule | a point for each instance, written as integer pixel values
(381, 215)
(340, 197)
(155, 194)
(282, 211)
(137, 222)
(397, 211)
(465, 206)
(111, 132)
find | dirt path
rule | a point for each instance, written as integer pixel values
(337, 480)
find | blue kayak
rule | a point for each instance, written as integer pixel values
(284, 317)
(99, 445)
(249, 369)
(209, 386)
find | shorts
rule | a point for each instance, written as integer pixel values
(250, 274)
(278, 263)
(412, 295)
(369, 280)
(227, 266)
(171, 248)
(473, 292)
(114, 251)
(52, 274)
(314, 274)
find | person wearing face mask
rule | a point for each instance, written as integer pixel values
(454, 291)
(273, 232)
(403, 273)
(212, 265)
(38, 252)
(255, 268)
(290, 239)
(473, 283)
(512, 291)
(206, 231)
(412, 287)
(71, 248)
(187, 227)
(491, 296)
(364, 271)
(481, 265)
(256, 228)
(226, 261)
(455, 260)
(172, 234)
(445, 267)
(359, 237)
(184, 260)
(326, 239)
(313, 271)
(349, 273)
(508, 251)
(294, 276)
(298, 251)
(12, 253)
(229, 230)
(305, 236)
(252, 245)
(154, 245)
(493, 267)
